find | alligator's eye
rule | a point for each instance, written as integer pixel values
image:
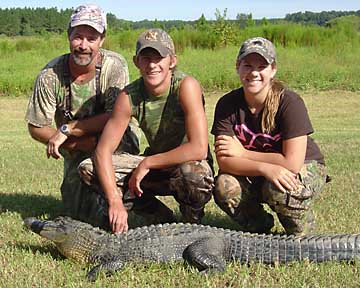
(37, 226)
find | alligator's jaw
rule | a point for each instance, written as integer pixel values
(50, 230)
(66, 234)
(34, 224)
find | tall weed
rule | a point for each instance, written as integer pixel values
(309, 56)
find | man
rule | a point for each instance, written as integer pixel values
(168, 105)
(78, 90)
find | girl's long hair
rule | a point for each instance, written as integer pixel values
(271, 105)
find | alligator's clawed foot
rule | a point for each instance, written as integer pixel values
(206, 254)
(108, 266)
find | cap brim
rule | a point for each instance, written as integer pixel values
(97, 27)
(163, 51)
(268, 59)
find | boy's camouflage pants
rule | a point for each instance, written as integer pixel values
(241, 198)
(191, 184)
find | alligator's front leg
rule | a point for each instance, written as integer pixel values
(108, 265)
(207, 254)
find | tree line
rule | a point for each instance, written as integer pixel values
(321, 18)
(39, 21)
(33, 21)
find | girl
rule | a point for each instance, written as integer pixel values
(263, 149)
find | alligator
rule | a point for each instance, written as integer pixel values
(205, 247)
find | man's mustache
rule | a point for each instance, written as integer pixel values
(82, 51)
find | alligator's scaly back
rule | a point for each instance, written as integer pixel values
(203, 246)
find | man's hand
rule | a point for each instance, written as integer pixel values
(118, 215)
(55, 141)
(228, 146)
(136, 177)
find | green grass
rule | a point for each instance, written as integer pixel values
(332, 64)
(29, 186)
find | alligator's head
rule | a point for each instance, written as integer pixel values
(67, 234)
(56, 230)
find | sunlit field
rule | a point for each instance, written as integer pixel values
(322, 65)
(29, 186)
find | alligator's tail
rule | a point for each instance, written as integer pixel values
(283, 249)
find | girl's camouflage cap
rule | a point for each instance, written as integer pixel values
(258, 45)
(157, 39)
(89, 14)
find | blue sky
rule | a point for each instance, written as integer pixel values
(192, 9)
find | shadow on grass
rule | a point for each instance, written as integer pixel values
(30, 205)
(224, 221)
(43, 250)
(215, 220)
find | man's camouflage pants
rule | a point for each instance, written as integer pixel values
(191, 184)
(242, 197)
(79, 200)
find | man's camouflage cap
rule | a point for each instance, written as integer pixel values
(91, 15)
(157, 39)
(258, 45)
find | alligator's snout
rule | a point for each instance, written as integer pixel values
(34, 224)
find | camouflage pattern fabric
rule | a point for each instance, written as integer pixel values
(258, 45)
(47, 103)
(191, 184)
(160, 117)
(157, 39)
(293, 208)
(47, 100)
(91, 15)
(79, 200)
(242, 198)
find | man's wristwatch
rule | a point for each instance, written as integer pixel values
(65, 129)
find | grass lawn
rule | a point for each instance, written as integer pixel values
(29, 186)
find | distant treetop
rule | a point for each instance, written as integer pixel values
(35, 21)
(320, 18)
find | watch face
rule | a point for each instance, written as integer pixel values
(64, 129)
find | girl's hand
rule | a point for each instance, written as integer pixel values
(228, 146)
(281, 177)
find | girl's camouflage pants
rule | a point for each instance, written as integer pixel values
(242, 198)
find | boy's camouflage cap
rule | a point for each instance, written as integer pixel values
(258, 45)
(157, 39)
(91, 15)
